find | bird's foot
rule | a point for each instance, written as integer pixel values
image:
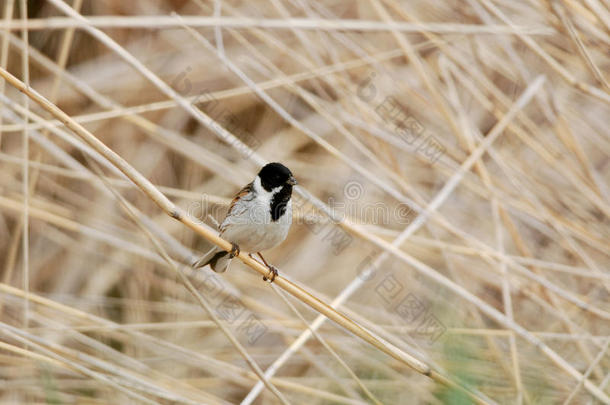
(234, 250)
(271, 275)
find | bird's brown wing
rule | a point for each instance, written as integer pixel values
(241, 194)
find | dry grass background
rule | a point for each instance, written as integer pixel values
(462, 147)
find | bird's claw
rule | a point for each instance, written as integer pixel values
(272, 274)
(234, 250)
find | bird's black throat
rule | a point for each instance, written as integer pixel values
(279, 202)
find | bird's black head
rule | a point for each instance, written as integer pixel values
(274, 175)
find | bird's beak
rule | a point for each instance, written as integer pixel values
(292, 181)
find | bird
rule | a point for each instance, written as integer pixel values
(258, 219)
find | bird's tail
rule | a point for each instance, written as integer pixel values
(217, 259)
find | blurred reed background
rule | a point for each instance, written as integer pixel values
(461, 149)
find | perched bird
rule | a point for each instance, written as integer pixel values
(258, 219)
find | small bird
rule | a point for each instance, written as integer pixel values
(258, 219)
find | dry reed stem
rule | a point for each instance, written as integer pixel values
(290, 23)
(328, 348)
